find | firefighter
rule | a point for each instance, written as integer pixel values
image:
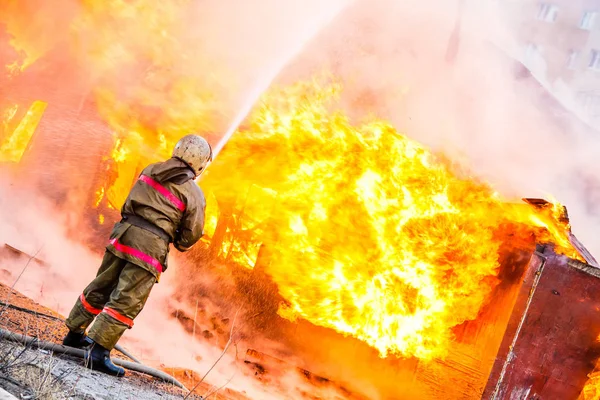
(164, 206)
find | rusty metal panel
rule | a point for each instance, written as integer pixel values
(550, 344)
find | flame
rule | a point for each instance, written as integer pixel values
(148, 89)
(15, 143)
(9, 114)
(120, 152)
(145, 90)
(29, 22)
(148, 76)
(120, 172)
(371, 234)
(591, 390)
(211, 218)
(99, 197)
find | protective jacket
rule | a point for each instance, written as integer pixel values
(164, 206)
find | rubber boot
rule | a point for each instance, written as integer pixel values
(98, 359)
(77, 340)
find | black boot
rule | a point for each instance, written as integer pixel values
(98, 359)
(77, 340)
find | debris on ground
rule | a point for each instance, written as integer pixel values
(29, 373)
(20, 364)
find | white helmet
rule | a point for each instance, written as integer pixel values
(195, 151)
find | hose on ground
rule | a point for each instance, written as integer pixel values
(60, 349)
(118, 347)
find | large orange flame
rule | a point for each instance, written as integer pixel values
(371, 235)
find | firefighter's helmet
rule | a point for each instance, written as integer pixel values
(195, 151)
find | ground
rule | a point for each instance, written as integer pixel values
(35, 374)
(30, 373)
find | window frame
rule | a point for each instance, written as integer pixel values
(587, 24)
(594, 63)
(547, 12)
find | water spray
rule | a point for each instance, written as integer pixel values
(263, 84)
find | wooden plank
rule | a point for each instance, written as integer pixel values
(22, 253)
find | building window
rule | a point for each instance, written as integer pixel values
(547, 12)
(572, 59)
(588, 19)
(594, 60)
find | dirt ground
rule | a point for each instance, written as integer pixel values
(30, 373)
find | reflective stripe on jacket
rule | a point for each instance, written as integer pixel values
(166, 196)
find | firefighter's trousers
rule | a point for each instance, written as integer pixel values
(114, 298)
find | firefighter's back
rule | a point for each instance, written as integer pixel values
(164, 206)
(163, 193)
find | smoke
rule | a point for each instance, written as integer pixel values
(31, 224)
(184, 67)
(444, 74)
(61, 265)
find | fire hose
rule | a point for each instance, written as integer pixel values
(60, 349)
(52, 317)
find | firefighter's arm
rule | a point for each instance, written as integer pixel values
(191, 228)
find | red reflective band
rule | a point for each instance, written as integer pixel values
(91, 309)
(137, 254)
(118, 317)
(164, 191)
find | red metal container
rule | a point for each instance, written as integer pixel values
(551, 341)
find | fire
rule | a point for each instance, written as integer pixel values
(29, 22)
(99, 196)
(120, 152)
(151, 87)
(371, 234)
(148, 77)
(148, 90)
(7, 119)
(15, 143)
(591, 390)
